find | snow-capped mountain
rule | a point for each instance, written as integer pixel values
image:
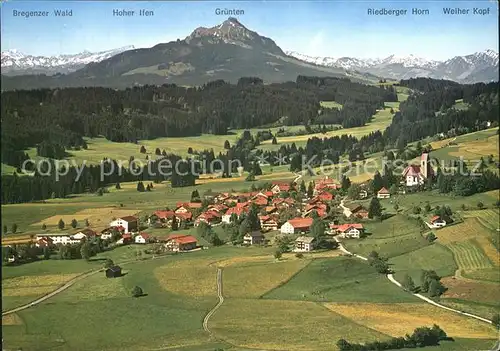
(15, 62)
(477, 67)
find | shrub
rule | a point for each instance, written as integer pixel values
(137, 291)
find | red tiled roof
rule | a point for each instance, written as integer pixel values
(326, 196)
(412, 170)
(189, 204)
(164, 214)
(435, 218)
(127, 236)
(299, 223)
(260, 201)
(383, 191)
(145, 235)
(237, 210)
(174, 236)
(185, 239)
(344, 227)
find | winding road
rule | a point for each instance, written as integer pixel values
(221, 300)
(422, 297)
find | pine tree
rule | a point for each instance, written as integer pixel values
(4, 229)
(148, 188)
(157, 151)
(142, 150)
(408, 283)
(74, 223)
(256, 169)
(310, 189)
(274, 142)
(175, 223)
(60, 224)
(190, 150)
(375, 209)
(345, 182)
(303, 188)
(227, 146)
(195, 196)
(44, 226)
(377, 182)
(118, 186)
(13, 229)
(140, 187)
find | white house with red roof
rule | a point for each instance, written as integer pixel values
(268, 222)
(348, 230)
(436, 222)
(383, 193)
(129, 223)
(238, 210)
(414, 175)
(180, 242)
(142, 238)
(210, 217)
(296, 225)
(279, 187)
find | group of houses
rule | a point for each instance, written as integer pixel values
(226, 208)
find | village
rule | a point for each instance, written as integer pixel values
(282, 210)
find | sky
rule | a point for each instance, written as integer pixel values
(316, 28)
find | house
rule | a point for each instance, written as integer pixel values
(321, 212)
(185, 217)
(296, 225)
(325, 196)
(414, 175)
(44, 242)
(129, 223)
(260, 200)
(113, 272)
(238, 210)
(437, 222)
(348, 230)
(268, 223)
(279, 187)
(217, 207)
(325, 184)
(61, 238)
(358, 211)
(107, 233)
(180, 242)
(270, 209)
(84, 234)
(183, 207)
(363, 194)
(209, 217)
(142, 238)
(253, 238)
(383, 193)
(125, 239)
(304, 244)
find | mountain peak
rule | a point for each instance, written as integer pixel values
(230, 29)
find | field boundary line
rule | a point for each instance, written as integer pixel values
(287, 280)
(424, 298)
(216, 307)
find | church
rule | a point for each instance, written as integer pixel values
(414, 175)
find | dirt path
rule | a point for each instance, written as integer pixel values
(221, 300)
(347, 212)
(424, 298)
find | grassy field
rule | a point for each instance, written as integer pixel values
(433, 257)
(488, 217)
(331, 104)
(341, 279)
(379, 122)
(397, 319)
(473, 232)
(469, 256)
(392, 237)
(254, 280)
(285, 325)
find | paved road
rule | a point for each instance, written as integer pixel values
(221, 300)
(424, 298)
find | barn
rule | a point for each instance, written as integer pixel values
(113, 272)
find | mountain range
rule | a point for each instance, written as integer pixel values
(226, 51)
(477, 67)
(15, 62)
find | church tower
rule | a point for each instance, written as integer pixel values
(424, 165)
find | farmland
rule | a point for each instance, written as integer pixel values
(343, 280)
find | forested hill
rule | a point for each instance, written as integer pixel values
(430, 110)
(63, 116)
